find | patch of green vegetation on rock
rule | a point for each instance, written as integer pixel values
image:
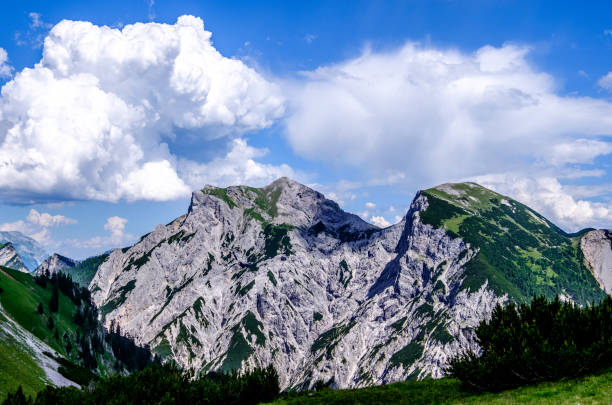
(329, 338)
(398, 325)
(180, 236)
(272, 278)
(118, 299)
(170, 293)
(163, 349)
(441, 334)
(253, 327)
(317, 316)
(345, 275)
(220, 193)
(244, 290)
(239, 350)
(277, 240)
(406, 355)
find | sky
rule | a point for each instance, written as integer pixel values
(113, 112)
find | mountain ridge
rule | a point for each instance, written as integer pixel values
(282, 275)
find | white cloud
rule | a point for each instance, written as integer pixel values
(5, 69)
(36, 21)
(117, 236)
(545, 194)
(578, 151)
(97, 117)
(47, 220)
(379, 221)
(236, 167)
(37, 226)
(605, 82)
(430, 115)
(116, 226)
(37, 29)
(370, 205)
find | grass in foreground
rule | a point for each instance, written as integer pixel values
(596, 389)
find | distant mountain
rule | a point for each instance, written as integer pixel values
(9, 258)
(30, 251)
(282, 275)
(55, 263)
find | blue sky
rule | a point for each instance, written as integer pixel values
(103, 131)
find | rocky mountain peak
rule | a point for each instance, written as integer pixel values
(55, 263)
(10, 258)
(284, 201)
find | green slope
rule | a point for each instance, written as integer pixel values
(520, 252)
(20, 298)
(85, 271)
(18, 364)
(595, 389)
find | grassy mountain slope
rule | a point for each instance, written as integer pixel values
(18, 364)
(520, 252)
(20, 298)
(84, 271)
(595, 389)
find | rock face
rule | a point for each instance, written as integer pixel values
(9, 258)
(597, 249)
(281, 275)
(55, 263)
(30, 251)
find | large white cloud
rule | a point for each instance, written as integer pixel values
(95, 118)
(440, 114)
(418, 116)
(548, 196)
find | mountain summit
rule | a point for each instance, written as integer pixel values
(281, 275)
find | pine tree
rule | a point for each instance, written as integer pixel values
(40, 309)
(54, 303)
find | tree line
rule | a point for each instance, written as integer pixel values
(163, 384)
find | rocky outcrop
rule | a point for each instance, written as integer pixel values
(55, 263)
(9, 258)
(596, 247)
(282, 275)
(30, 251)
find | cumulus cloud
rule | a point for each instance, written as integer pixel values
(97, 117)
(37, 226)
(115, 226)
(379, 221)
(5, 68)
(549, 197)
(46, 220)
(236, 167)
(434, 114)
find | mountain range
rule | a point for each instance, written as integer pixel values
(282, 275)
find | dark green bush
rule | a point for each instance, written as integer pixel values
(165, 384)
(541, 341)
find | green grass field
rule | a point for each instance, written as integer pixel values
(595, 389)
